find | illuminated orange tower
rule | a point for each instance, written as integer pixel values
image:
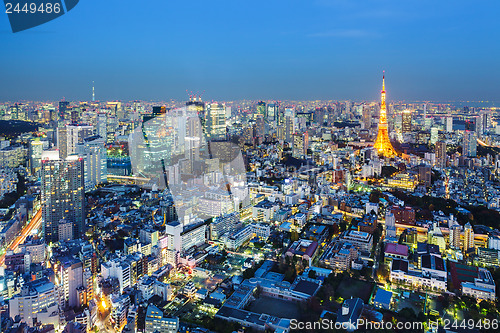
(383, 144)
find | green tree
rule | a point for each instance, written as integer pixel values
(408, 313)
(249, 273)
(485, 305)
(375, 196)
(383, 272)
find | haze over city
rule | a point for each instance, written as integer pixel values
(297, 50)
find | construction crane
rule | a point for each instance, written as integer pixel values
(194, 97)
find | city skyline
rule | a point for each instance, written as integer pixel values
(329, 50)
(221, 167)
(143, 217)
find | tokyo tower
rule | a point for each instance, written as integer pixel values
(383, 144)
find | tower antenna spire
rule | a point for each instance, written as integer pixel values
(93, 92)
(383, 80)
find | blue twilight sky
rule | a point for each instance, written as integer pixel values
(273, 49)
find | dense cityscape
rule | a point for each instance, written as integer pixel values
(249, 216)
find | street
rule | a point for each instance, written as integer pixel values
(35, 223)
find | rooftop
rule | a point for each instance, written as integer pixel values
(303, 247)
(396, 249)
(306, 286)
(383, 297)
(462, 273)
(399, 265)
(350, 310)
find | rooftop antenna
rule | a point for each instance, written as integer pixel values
(93, 92)
(383, 80)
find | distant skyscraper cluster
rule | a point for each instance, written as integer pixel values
(129, 215)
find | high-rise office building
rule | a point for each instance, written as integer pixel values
(271, 112)
(471, 124)
(35, 155)
(304, 119)
(468, 238)
(193, 127)
(14, 111)
(449, 124)
(347, 113)
(425, 175)
(153, 144)
(62, 195)
(70, 277)
(111, 126)
(261, 108)
(192, 146)
(114, 108)
(289, 128)
(62, 142)
(280, 115)
(482, 122)
(75, 115)
(428, 123)
(434, 135)
(469, 144)
(248, 134)
(75, 134)
(102, 123)
(229, 111)
(454, 239)
(215, 121)
(196, 105)
(300, 144)
(390, 225)
(157, 110)
(289, 111)
(441, 154)
(93, 152)
(63, 107)
(366, 117)
(259, 128)
(22, 111)
(406, 121)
